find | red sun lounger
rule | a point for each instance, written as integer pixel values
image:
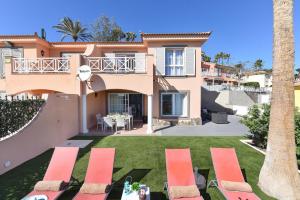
(227, 168)
(100, 170)
(180, 170)
(60, 169)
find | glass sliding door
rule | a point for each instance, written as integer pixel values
(118, 102)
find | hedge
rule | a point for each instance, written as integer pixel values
(14, 114)
(251, 84)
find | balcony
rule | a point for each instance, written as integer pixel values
(214, 74)
(41, 65)
(119, 65)
(217, 74)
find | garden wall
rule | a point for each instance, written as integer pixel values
(57, 121)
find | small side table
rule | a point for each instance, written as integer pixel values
(134, 195)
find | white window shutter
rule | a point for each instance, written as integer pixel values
(190, 61)
(140, 63)
(160, 61)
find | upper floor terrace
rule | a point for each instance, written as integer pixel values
(30, 63)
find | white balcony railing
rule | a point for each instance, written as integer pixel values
(206, 73)
(117, 64)
(41, 65)
(216, 74)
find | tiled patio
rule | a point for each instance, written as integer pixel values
(139, 128)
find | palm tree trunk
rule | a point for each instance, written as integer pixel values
(279, 177)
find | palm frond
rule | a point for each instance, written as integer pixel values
(69, 28)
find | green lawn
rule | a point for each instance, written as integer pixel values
(141, 157)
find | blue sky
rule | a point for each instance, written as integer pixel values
(242, 28)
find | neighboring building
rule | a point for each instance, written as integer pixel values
(215, 74)
(262, 77)
(158, 78)
(297, 94)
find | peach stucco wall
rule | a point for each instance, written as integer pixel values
(66, 83)
(95, 104)
(56, 122)
(142, 83)
(2, 85)
(191, 84)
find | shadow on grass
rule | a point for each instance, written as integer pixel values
(136, 174)
(27, 174)
(204, 193)
(244, 174)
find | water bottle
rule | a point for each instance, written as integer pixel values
(127, 187)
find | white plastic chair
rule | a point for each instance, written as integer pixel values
(99, 121)
(121, 122)
(108, 122)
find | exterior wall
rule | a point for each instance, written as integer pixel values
(66, 83)
(191, 84)
(2, 85)
(56, 122)
(142, 83)
(260, 78)
(212, 68)
(96, 104)
(297, 96)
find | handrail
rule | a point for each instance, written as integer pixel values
(41, 65)
(117, 64)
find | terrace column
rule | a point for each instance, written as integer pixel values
(83, 111)
(149, 125)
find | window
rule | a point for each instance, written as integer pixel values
(118, 102)
(174, 62)
(174, 104)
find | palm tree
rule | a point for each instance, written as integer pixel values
(205, 57)
(221, 56)
(130, 36)
(258, 64)
(74, 29)
(226, 57)
(279, 177)
(239, 68)
(298, 72)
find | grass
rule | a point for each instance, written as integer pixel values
(143, 159)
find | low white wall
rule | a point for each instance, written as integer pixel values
(264, 98)
(240, 110)
(57, 121)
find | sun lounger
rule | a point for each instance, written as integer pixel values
(99, 171)
(180, 170)
(227, 168)
(60, 169)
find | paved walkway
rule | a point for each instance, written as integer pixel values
(233, 128)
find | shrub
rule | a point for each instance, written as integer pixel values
(16, 113)
(257, 121)
(252, 84)
(297, 128)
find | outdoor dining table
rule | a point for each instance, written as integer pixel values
(125, 116)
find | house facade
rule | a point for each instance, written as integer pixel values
(158, 79)
(262, 77)
(215, 74)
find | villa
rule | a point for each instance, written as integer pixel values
(215, 74)
(156, 80)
